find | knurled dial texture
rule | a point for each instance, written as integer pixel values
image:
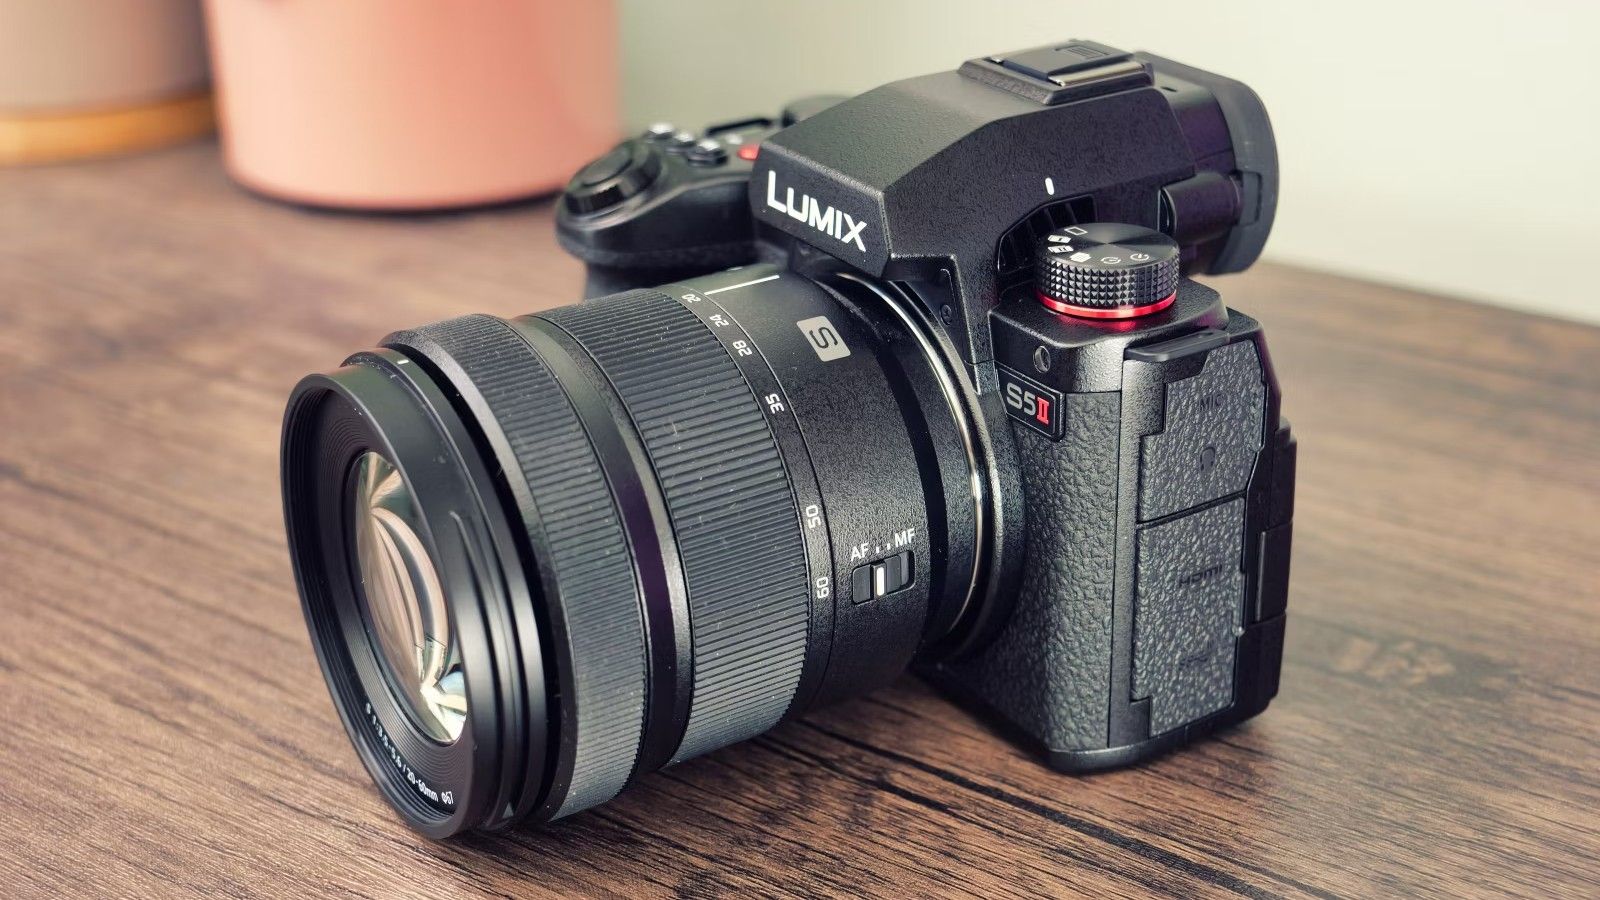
(1106, 265)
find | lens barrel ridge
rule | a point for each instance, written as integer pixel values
(573, 528)
(730, 501)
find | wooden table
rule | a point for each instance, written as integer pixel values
(164, 730)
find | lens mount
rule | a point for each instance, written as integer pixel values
(977, 607)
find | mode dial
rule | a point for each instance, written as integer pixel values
(1106, 270)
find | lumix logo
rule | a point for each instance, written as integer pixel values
(833, 222)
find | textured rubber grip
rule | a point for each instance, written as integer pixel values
(574, 528)
(730, 502)
(1048, 671)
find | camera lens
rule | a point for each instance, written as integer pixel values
(403, 600)
(543, 557)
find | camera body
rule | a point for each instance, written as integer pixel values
(1132, 592)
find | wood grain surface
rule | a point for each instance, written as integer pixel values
(164, 730)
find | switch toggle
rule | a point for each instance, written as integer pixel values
(873, 580)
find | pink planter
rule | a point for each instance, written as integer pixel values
(64, 56)
(412, 104)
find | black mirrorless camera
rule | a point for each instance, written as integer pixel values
(907, 380)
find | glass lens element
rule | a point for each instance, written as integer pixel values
(404, 602)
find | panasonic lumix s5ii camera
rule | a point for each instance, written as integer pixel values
(911, 380)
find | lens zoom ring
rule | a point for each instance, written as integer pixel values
(576, 526)
(731, 505)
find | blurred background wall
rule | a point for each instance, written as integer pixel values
(1449, 145)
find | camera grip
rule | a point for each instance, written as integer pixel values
(1150, 603)
(1047, 671)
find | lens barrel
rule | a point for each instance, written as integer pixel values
(663, 522)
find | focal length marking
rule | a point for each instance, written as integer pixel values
(763, 381)
(443, 799)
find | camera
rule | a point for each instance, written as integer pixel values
(914, 380)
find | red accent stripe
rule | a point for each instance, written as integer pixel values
(1119, 312)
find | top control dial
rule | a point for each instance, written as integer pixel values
(626, 170)
(1106, 270)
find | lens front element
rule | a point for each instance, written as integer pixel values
(402, 600)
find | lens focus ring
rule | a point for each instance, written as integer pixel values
(574, 523)
(728, 496)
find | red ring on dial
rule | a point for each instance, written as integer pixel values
(1115, 312)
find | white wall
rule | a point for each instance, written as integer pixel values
(1452, 146)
